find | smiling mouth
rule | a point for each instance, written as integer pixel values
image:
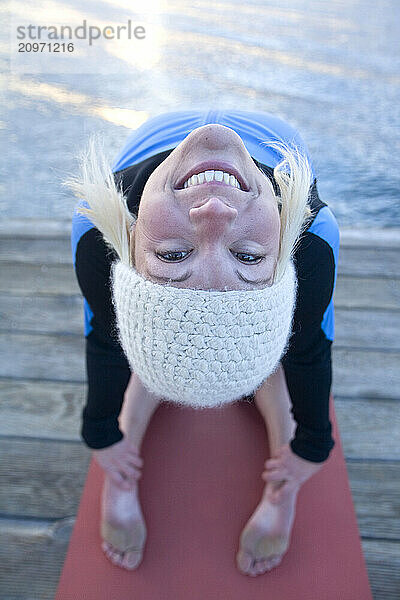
(211, 175)
(215, 173)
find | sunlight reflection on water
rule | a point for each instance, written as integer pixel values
(331, 69)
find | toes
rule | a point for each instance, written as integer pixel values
(244, 561)
(273, 561)
(261, 566)
(127, 560)
(131, 560)
(115, 557)
(108, 549)
(248, 565)
(276, 560)
(258, 567)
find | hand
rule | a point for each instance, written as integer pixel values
(122, 462)
(288, 469)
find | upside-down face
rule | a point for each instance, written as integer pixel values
(208, 217)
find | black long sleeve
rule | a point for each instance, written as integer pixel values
(107, 368)
(307, 363)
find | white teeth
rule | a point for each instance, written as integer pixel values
(212, 175)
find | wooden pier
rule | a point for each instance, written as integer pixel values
(44, 462)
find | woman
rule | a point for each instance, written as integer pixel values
(217, 201)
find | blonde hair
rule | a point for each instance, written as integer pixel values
(107, 208)
(293, 177)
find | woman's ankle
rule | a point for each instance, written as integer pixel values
(288, 493)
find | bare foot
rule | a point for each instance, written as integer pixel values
(266, 536)
(122, 525)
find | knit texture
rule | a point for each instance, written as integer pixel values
(202, 348)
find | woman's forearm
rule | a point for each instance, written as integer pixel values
(138, 407)
(273, 401)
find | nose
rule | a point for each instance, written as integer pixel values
(213, 217)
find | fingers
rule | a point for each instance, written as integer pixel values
(135, 460)
(273, 463)
(130, 472)
(275, 474)
(126, 482)
(127, 462)
(122, 462)
(272, 477)
(119, 480)
(132, 453)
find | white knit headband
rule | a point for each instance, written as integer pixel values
(197, 347)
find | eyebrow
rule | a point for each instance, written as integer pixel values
(189, 273)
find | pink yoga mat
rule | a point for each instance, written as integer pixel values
(200, 484)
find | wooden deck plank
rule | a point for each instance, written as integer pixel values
(363, 292)
(359, 237)
(350, 292)
(363, 262)
(375, 487)
(37, 356)
(350, 329)
(46, 228)
(369, 428)
(369, 262)
(379, 237)
(47, 409)
(43, 314)
(32, 554)
(46, 478)
(61, 357)
(20, 278)
(378, 373)
(383, 564)
(64, 314)
(36, 251)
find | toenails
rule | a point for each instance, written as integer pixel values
(272, 562)
(128, 560)
(247, 565)
(244, 561)
(131, 560)
(261, 566)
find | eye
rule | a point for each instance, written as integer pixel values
(174, 256)
(250, 259)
